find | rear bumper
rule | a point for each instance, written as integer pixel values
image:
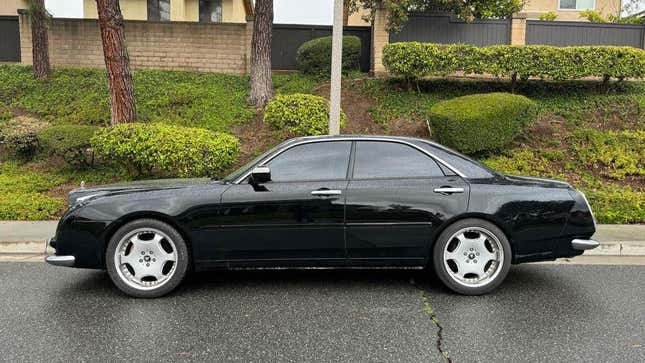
(65, 261)
(584, 244)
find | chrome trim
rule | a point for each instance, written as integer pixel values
(326, 192)
(584, 244)
(593, 217)
(65, 261)
(271, 157)
(260, 170)
(449, 190)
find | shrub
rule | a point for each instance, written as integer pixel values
(617, 204)
(171, 150)
(412, 60)
(300, 114)
(18, 137)
(549, 16)
(481, 122)
(71, 142)
(29, 206)
(314, 56)
(622, 153)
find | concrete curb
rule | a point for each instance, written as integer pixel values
(27, 238)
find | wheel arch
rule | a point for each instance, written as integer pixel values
(161, 217)
(485, 217)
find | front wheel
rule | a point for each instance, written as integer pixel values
(147, 258)
(472, 257)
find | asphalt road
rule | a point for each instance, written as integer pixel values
(541, 313)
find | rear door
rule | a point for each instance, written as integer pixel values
(396, 199)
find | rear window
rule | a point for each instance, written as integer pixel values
(470, 168)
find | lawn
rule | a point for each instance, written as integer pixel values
(587, 135)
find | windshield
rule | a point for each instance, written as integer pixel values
(247, 167)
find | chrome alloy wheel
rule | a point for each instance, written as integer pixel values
(145, 258)
(473, 257)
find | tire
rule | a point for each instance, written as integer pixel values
(147, 258)
(472, 257)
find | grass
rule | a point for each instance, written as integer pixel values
(587, 135)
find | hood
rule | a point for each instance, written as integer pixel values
(83, 194)
(539, 182)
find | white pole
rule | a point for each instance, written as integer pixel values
(336, 69)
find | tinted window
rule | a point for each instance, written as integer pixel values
(468, 167)
(315, 161)
(159, 10)
(376, 159)
(210, 11)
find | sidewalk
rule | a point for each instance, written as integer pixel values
(26, 240)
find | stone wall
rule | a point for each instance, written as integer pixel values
(187, 46)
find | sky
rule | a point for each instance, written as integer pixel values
(285, 11)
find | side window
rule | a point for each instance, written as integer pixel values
(314, 161)
(378, 159)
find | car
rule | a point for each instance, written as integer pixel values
(353, 201)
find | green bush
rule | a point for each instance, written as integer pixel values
(481, 122)
(29, 206)
(18, 137)
(168, 149)
(413, 60)
(314, 56)
(617, 204)
(300, 114)
(621, 153)
(549, 16)
(71, 142)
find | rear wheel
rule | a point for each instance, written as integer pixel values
(147, 258)
(472, 257)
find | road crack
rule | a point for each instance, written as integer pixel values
(427, 307)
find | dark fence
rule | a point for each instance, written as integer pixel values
(9, 39)
(565, 33)
(444, 28)
(288, 38)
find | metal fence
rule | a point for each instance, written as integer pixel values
(444, 28)
(288, 38)
(565, 33)
(9, 39)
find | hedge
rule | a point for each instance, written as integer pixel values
(481, 122)
(314, 56)
(413, 60)
(300, 114)
(71, 142)
(169, 149)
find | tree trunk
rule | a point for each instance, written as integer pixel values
(117, 63)
(261, 85)
(39, 39)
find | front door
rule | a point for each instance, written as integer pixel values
(297, 216)
(396, 199)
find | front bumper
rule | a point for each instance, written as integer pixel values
(584, 244)
(65, 261)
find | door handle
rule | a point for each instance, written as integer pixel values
(448, 190)
(326, 192)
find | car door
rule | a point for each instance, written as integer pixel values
(297, 216)
(396, 199)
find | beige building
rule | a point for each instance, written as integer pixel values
(10, 7)
(570, 9)
(203, 11)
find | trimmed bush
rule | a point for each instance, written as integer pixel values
(300, 114)
(481, 122)
(169, 149)
(412, 60)
(18, 137)
(71, 142)
(314, 56)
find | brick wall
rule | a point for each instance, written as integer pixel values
(184, 46)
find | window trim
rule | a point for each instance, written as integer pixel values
(353, 178)
(349, 163)
(576, 8)
(270, 157)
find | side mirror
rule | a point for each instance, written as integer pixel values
(260, 174)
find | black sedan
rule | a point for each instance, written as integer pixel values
(341, 202)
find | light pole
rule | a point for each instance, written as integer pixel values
(336, 69)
